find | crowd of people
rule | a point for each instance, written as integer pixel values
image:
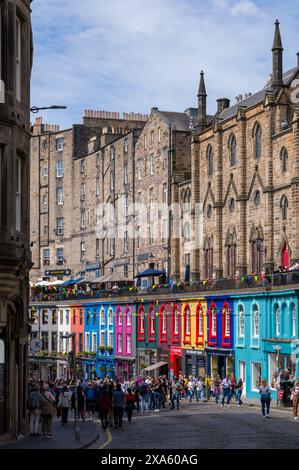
(108, 399)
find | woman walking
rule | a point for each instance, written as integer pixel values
(295, 399)
(239, 390)
(105, 407)
(64, 404)
(265, 393)
(130, 403)
(48, 404)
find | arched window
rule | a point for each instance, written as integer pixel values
(208, 255)
(277, 321)
(210, 160)
(241, 321)
(284, 159)
(284, 204)
(257, 250)
(256, 322)
(294, 333)
(119, 318)
(110, 315)
(128, 317)
(175, 321)
(141, 320)
(102, 317)
(152, 325)
(226, 319)
(187, 321)
(231, 249)
(232, 144)
(164, 321)
(257, 135)
(200, 321)
(214, 321)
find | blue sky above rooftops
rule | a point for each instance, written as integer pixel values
(132, 55)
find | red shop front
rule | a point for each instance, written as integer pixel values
(175, 361)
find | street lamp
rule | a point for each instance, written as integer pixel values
(36, 109)
(76, 427)
(277, 349)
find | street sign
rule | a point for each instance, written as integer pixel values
(36, 345)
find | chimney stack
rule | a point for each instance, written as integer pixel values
(222, 104)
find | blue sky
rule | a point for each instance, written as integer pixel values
(131, 55)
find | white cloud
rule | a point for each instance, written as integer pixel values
(246, 7)
(130, 56)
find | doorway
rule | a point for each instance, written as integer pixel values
(221, 366)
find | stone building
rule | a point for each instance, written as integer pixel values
(162, 161)
(16, 54)
(245, 170)
(68, 176)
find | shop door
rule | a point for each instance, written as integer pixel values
(285, 258)
(2, 388)
(221, 366)
(242, 375)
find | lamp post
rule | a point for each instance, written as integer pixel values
(277, 349)
(74, 364)
(36, 109)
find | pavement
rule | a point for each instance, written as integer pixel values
(63, 437)
(206, 425)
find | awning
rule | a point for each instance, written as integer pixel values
(154, 366)
(71, 282)
(151, 273)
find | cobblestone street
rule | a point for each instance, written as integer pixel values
(206, 426)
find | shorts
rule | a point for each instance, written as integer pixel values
(90, 406)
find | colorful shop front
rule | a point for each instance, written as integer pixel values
(125, 344)
(266, 337)
(219, 346)
(98, 355)
(194, 326)
(146, 338)
(169, 350)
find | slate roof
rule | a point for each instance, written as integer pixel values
(256, 98)
(180, 121)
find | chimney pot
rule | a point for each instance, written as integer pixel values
(223, 103)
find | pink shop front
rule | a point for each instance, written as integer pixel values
(124, 369)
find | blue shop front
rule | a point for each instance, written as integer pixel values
(220, 336)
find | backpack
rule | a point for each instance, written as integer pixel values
(32, 403)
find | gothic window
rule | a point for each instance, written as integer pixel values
(257, 250)
(284, 207)
(209, 211)
(277, 321)
(231, 249)
(232, 144)
(256, 322)
(257, 135)
(186, 232)
(210, 160)
(231, 204)
(284, 159)
(208, 256)
(257, 198)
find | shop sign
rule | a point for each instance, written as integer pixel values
(58, 272)
(176, 351)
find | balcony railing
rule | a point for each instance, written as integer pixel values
(247, 282)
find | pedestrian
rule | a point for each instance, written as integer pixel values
(105, 406)
(118, 405)
(239, 389)
(158, 391)
(199, 389)
(190, 389)
(143, 394)
(177, 388)
(48, 405)
(295, 399)
(80, 412)
(90, 401)
(34, 405)
(216, 388)
(232, 386)
(64, 404)
(226, 390)
(130, 403)
(265, 393)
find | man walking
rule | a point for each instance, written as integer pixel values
(226, 390)
(118, 405)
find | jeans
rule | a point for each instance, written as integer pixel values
(143, 403)
(238, 396)
(216, 394)
(265, 404)
(34, 420)
(118, 416)
(225, 393)
(151, 400)
(47, 424)
(190, 395)
(199, 395)
(157, 401)
(64, 415)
